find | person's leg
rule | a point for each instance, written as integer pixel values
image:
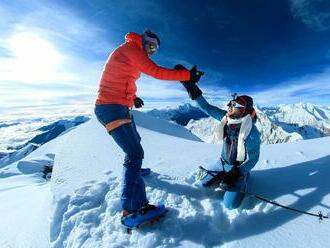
(137, 135)
(232, 199)
(128, 139)
(133, 188)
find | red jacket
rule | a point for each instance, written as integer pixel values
(123, 68)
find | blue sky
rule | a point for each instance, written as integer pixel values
(278, 51)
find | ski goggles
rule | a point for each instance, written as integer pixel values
(152, 43)
(234, 104)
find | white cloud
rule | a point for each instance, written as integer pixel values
(63, 32)
(33, 60)
(27, 96)
(312, 13)
(160, 94)
(66, 27)
(314, 88)
(57, 33)
(52, 48)
(311, 88)
(149, 87)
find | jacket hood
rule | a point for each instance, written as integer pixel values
(132, 37)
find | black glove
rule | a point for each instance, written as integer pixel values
(230, 178)
(215, 180)
(237, 163)
(138, 102)
(195, 75)
(193, 90)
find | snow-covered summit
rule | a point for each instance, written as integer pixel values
(309, 120)
(300, 113)
(85, 194)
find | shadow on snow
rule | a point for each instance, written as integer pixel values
(217, 229)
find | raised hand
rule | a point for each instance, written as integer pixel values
(193, 90)
(195, 75)
(138, 102)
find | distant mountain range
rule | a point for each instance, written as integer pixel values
(284, 123)
(48, 133)
(310, 121)
(181, 115)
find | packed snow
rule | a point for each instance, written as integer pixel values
(80, 206)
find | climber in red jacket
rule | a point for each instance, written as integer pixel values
(116, 97)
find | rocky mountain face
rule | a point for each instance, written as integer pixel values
(309, 120)
(284, 123)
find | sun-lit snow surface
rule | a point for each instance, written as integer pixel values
(86, 194)
(26, 200)
(87, 213)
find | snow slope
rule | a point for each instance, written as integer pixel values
(25, 210)
(86, 186)
(85, 190)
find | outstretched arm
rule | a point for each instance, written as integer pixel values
(209, 109)
(195, 93)
(147, 66)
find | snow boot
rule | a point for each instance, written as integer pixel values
(147, 214)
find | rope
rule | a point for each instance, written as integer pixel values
(319, 214)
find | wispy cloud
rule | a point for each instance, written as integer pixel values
(315, 14)
(55, 22)
(310, 88)
(48, 53)
(171, 93)
(76, 46)
(71, 35)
